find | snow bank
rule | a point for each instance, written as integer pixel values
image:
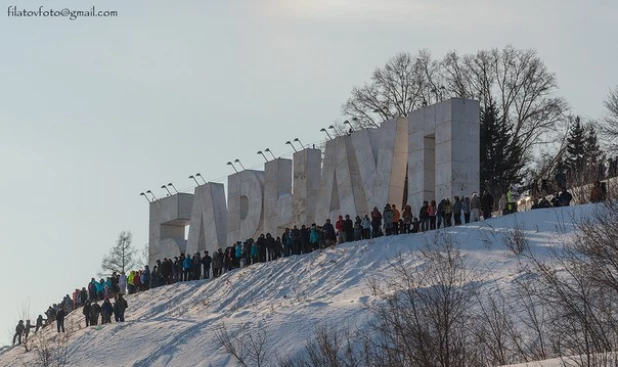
(175, 325)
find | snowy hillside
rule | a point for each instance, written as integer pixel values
(175, 325)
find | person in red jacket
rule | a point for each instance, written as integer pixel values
(339, 228)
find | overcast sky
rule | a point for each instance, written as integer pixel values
(94, 111)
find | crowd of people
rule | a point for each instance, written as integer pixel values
(294, 241)
(87, 299)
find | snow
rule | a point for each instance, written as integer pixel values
(176, 325)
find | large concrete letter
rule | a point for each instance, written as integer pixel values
(277, 195)
(245, 193)
(208, 228)
(444, 156)
(341, 191)
(168, 218)
(382, 156)
(306, 185)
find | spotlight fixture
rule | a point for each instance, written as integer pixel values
(173, 187)
(200, 176)
(271, 153)
(292, 145)
(193, 177)
(323, 130)
(231, 164)
(168, 190)
(298, 140)
(262, 153)
(238, 161)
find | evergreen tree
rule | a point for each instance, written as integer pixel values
(595, 161)
(501, 159)
(575, 159)
(121, 257)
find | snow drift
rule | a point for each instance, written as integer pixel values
(175, 325)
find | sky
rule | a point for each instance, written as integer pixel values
(94, 111)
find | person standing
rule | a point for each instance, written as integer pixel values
(387, 214)
(348, 229)
(95, 311)
(87, 310)
(122, 283)
(475, 207)
(60, 319)
(206, 261)
(487, 204)
(465, 207)
(19, 330)
(433, 212)
(457, 207)
(39, 324)
(366, 224)
(27, 330)
(396, 217)
(121, 306)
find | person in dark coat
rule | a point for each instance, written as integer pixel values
(348, 229)
(487, 204)
(304, 239)
(271, 253)
(120, 307)
(106, 312)
(295, 240)
(330, 236)
(262, 246)
(27, 330)
(565, 197)
(39, 324)
(376, 222)
(95, 311)
(206, 261)
(86, 311)
(60, 319)
(19, 330)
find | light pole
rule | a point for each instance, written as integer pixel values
(231, 164)
(144, 195)
(271, 153)
(193, 177)
(150, 192)
(292, 145)
(168, 190)
(301, 144)
(346, 122)
(200, 176)
(238, 161)
(323, 130)
(262, 153)
(173, 187)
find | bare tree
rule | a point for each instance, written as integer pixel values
(121, 257)
(426, 320)
(609, 125)
(520, 84)
(247, 349)
(48, 352)
(405, 83)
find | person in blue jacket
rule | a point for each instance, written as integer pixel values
(254, 252)
(99, 287)
(186, 266)
(314, 237)
(238, 253)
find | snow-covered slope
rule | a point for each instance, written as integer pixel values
(175, 325)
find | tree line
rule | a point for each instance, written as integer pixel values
(527, 130)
